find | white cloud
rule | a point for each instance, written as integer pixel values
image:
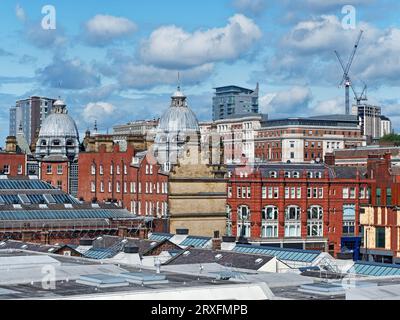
(293, 101)
(104, 29)
(97, 111)
(172, 47)
(312, 43)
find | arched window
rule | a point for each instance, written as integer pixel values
(270, 213)
(70, 142)
(314, 222)
(273, 174)
(293, 213)
(310, 175)
(269, 226)
(287, 174)
(243, 222)
(315, 213)
(243, 213)
(56, 142)
(43, 143)
(296, 174)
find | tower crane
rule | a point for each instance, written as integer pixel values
(346, 81)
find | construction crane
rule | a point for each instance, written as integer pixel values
(346, 81)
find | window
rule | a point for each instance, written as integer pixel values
(93, 169)
(345, 193)
(244, 224)
(292, 213)
(239, 192)
(292, 155)
(276, 193)
(101, 170)
(59, 169)
(299, 193)
(118, 169)
(318, 175)
(101, 186)
(287, 174)
(273, 174)
(111, 169)
(6, 169)
(151, 169)
(109, 187)
(321, 193)
(56, 142)
(93, 186)
(296, 175)
(49, 169)
(20, 169)
(388, 196)
(147, 169)
(229, 192)
(310, 174)
(59, 184)
(287, 192)
(315, 213)
(118, 187)
(352, 193)
(264, 192)
(125, 187)
(125, 169)
(133, 187)
(348, 228)
(380, 238)
(248, 192)
(270, 213)
(378, 196)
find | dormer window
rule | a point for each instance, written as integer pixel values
(43, 143)
(56, 142)
(70, 142)
(273, 174)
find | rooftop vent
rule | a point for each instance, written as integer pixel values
(186, 253)
(218, 257)
(68, 206)
(43, 206)
(17, 206)
(259, 261)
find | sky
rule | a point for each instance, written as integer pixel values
(118, 61)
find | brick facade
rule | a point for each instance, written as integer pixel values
(120, 176)
(259, 189)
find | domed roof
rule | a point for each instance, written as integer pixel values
(58, 125)
(178, 117)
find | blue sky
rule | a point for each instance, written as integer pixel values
(116, 61)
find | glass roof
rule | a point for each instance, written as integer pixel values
(280, 253)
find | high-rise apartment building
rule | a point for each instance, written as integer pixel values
(29, 115)
(234, 100)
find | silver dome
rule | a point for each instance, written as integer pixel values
(58, 125)
(58, 135)
(178, 117)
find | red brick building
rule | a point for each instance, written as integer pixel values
(299, 206)
(126, 177)
(381, 220)
(13, 164)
